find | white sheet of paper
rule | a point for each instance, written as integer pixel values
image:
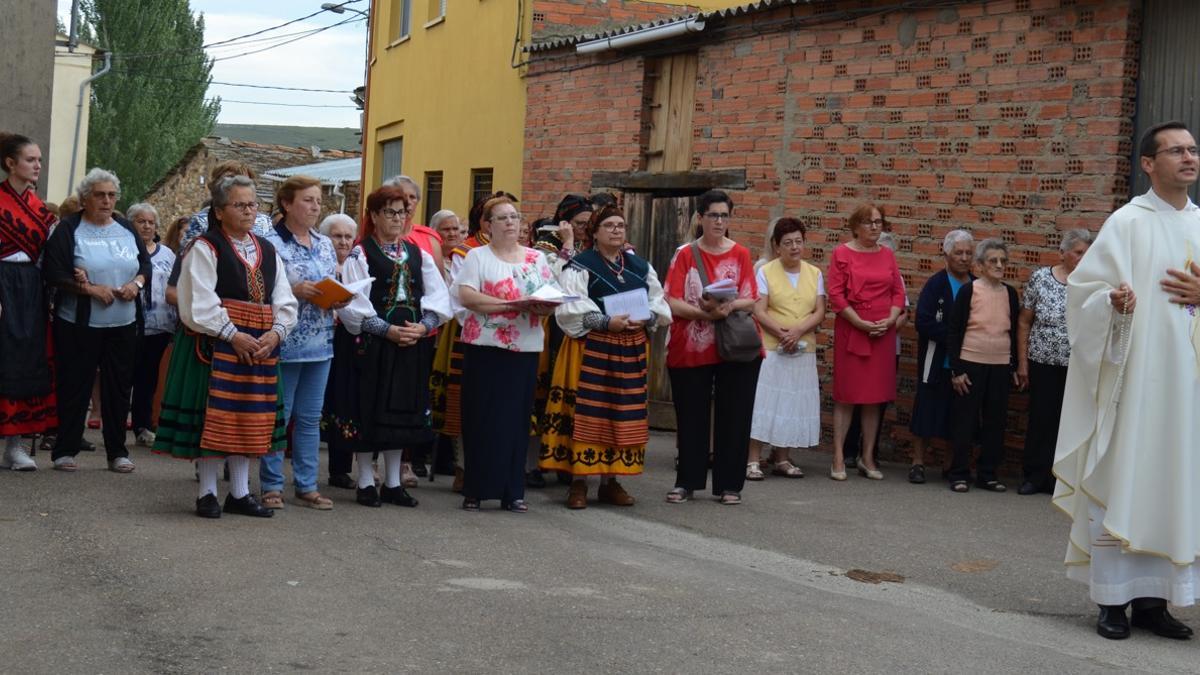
(358, 287)
(635, 303)
(548, 294)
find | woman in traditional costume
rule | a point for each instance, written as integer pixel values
(99, 266)
(342, 231)
(501, 343)
(222, 399)
(27, 403)
(595, 421)
(383, 389)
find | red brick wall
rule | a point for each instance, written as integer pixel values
(1012, 118)
(567, 17)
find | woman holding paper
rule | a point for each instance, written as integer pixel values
(867, 294)
(382, 397)
(502, 336)
(308, 258)
(694, 364)
(595, 421)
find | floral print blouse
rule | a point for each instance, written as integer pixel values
(1047, 297)
(312, 338)
(483, 271)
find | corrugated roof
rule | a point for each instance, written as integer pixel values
(737, 10)
(334, 172)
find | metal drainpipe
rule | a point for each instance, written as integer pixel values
(83, 87)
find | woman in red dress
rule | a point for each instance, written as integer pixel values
(866, 293)
(27, 404)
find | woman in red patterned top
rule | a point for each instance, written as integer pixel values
(694, 365)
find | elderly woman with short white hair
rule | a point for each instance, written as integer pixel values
(342, 230)
(97, 316)
(161, 321)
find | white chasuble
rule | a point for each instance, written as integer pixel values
(1128, 449)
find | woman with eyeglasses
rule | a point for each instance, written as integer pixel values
(383, 391)
(161, 321)
(222, 398)
(981, 341)
(790, 308)
(867, 295)
(595, 422)
(342, 231)
(98, 316)
(502, 337)
(696, 368)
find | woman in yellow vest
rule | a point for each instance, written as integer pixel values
(790, 307)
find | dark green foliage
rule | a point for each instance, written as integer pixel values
(151, 108)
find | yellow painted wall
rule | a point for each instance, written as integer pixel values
(70, 71)
(450, 91)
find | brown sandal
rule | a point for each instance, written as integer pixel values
(272, 500)
(315, 500)
(787, 469)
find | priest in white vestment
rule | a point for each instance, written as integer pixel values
(1128, 456)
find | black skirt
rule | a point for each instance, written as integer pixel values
(390, 404)
(24, 369)
(931, 408)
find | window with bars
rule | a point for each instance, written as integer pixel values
(433, 194)
(481, 184)
(391, 155)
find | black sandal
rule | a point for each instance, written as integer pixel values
(516, 506)
(959, 486)
(470, 504)
(991, 485)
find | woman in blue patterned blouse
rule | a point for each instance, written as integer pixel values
(304, 358)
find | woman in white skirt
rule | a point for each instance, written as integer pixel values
(790, 306)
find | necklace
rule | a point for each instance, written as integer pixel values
(619, 271)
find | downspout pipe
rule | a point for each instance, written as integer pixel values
(83, 88)
(639, 37)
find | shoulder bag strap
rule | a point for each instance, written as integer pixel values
(699, 264)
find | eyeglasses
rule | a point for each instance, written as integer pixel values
(1178, 151)
(393, 213)
(718, 216)
(877, 222)
(106, 195)
(791, 243)
(509, 217)
(612, 227)
(244, 206)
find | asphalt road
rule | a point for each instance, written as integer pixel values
(104, 573)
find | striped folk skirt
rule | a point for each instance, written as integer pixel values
(445, 381)
(215, 406)
(595, 421)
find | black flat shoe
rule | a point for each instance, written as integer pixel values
(535, 479)
(916, 474)
(368, 496)
(398, 496)
(247, 506)
(208, 506)
(343, 481)
(1161, 623)
(515, 506)
(420, 470)
(1112, 623)
(470, 504)
(1028, 488)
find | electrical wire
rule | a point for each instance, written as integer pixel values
(233, 84)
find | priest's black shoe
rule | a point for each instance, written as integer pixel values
(368, 496)
(208, 506)
(398, 496)
(1113, 623)
(342, 480)
(247, 506)
(1028, 488)
(1161, 623)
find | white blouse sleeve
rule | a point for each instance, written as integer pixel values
(467, 274)
(199, 307)
(658, 299)
(437, 296)
(360, 308)
(574, 281)
(284, 304)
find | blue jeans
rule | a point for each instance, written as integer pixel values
(303, 398)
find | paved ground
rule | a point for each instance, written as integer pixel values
(113, 574)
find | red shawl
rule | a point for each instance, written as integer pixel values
(24, 222)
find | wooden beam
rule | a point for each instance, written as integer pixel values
(674, 181)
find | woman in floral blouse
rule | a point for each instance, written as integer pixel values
(501, 342)
(1042, 354)
(304, 358)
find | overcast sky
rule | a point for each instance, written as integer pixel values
(332, 59)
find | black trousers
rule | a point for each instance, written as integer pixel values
(728, 439)
(497, 395)
(985, 405)
(341, 454)
(80, 350)
(150, 349)
(1046, 387)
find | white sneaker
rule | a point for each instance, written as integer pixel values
(145, 438)
(17, 459)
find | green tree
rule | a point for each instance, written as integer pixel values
(151, 108)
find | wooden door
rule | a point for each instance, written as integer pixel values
(658, 225)
(671, 84)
